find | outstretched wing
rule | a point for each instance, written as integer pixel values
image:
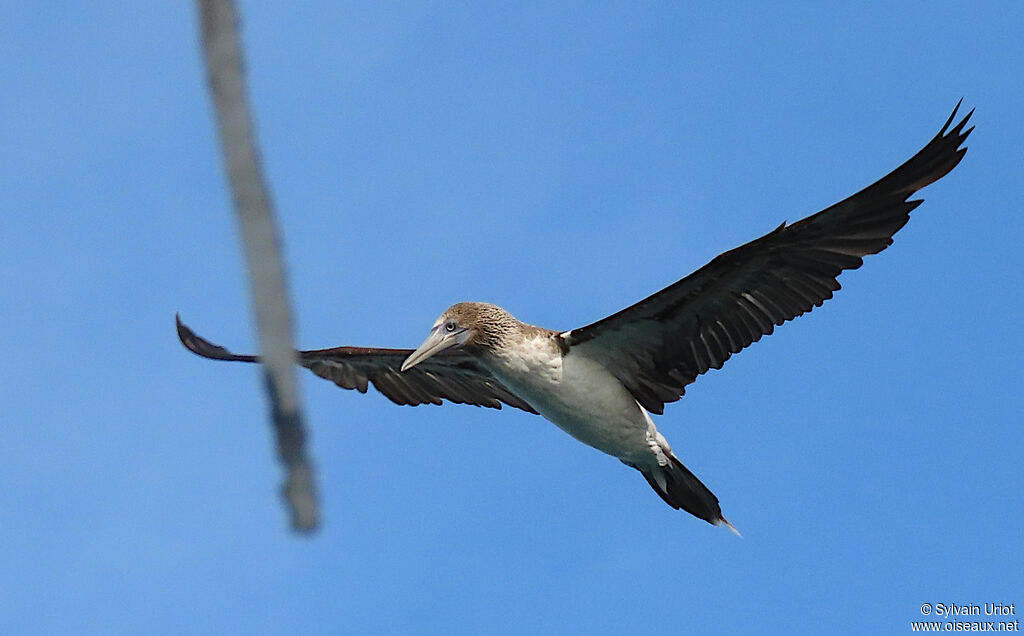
(449, 375)
(662, 343)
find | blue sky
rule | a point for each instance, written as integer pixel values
(561, 161)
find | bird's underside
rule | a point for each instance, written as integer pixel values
(659, 345)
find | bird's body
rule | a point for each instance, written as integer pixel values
(571, 389)
(599, 383)
(583, 398)
(578, 395)
(575, 393)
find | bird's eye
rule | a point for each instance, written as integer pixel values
(449, 326)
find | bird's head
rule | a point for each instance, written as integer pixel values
(473, 326)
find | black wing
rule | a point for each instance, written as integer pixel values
(449, 375)
(662, 343)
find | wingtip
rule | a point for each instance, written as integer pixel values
(188, 338)
(202, 347)
(184, 333)
(959, 126)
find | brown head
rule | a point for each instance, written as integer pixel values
(476, 327)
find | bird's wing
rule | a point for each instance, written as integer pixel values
(449, 375)
(662, 343)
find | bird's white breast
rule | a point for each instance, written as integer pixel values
(578, 395)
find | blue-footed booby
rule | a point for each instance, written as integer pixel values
(599, 383)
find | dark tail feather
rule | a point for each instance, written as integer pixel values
(682, 490)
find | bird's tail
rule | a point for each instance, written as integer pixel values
(682, 490)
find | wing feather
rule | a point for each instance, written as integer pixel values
(663, 343)
(450, 375)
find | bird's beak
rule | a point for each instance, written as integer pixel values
(438, 341)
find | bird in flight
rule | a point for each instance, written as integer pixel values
(601, 382)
